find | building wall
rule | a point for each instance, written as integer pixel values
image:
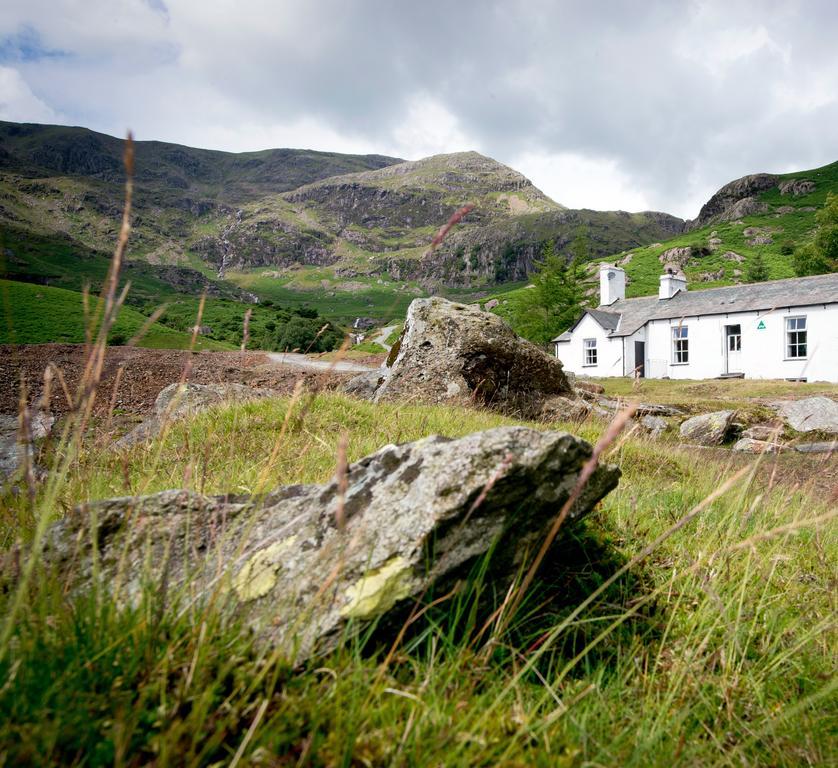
(763, 354)
(609, 351)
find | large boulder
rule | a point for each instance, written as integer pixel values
(13, 448)
(708, 428)
(301, 562)
(453, 352)
(810, 414)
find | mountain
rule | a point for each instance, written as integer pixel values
(279, 221)
(769, 214)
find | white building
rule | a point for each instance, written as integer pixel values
(783, 329)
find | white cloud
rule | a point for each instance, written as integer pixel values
(18, 103)
(581, 182)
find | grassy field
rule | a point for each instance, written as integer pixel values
(39, 314)
(714, 647)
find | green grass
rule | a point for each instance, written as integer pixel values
(715, 649)
(39, 314)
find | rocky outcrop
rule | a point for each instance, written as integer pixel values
(655, 426)
(734, 200)
(179, 400)
(303, 562)
(796, 187)
(810, 414)
(708, 428)
(453, 352)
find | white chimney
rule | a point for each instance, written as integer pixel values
(612, 284)
(672, 281)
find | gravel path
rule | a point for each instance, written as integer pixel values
(381, 337)
(304, 361)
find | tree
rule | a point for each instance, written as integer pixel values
(757, 269)
(553, 302)
(821, 255)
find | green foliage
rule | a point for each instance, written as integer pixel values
(553, 303)
(757, 271)
(40, 314)
(821, 255)
(303, 334)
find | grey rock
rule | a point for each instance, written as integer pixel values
(748, 206)
(299, 563)
(453, 352)
(796, 187)
(640, 409)
(13, 451)
(770, 432)
(654, 425)
(178, 400)
(708, 428)
(558, 408)
(491, 304)
(365, 384)
(810, 414)
(733, 256)
(749, 445)
(733, 200)
(828, 446)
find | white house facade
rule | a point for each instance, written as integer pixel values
(782, 329)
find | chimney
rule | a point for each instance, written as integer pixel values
(672, 281)
(612, 284)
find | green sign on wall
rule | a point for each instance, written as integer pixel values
(761, 325)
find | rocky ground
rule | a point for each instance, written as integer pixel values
(145, 372)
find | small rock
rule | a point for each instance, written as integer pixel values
(560, 408)
(733, 256)
(809, 414)
(749, 445)
(589, 386)
(768, 432)
(491, 304)
(830, 446)
(178, 400)
(708, 428)
(365, 384)
(654, 425)
(796, 187)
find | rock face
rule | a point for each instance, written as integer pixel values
(364, 385)
(455, 353)
(750, 445)
(179, 400)
(735, 200)
(302, 561)
(708, 428)
(810, 414)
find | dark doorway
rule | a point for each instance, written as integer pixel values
(640, 359)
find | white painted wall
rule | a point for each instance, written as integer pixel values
(609, 351)
(763, 353)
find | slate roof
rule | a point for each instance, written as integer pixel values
(632, 314)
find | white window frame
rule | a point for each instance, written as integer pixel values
(590, 353)
(680, 345)
(793, 328)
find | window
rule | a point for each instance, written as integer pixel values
(795, 338)
(590, 352)
(680, 345)
(734, 338)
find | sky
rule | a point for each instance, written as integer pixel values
(604, 104)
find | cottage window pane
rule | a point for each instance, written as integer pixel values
(590, 352)
(796, 337)
(680, 344)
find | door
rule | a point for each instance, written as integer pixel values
(640, 359)
(733, 348)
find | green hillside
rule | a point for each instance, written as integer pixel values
(720, 252)
(39, 314)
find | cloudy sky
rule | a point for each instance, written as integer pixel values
(602, 104)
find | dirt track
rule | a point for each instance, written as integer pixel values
(144, 373)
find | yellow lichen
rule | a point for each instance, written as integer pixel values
(378, 590)
(258, 575)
